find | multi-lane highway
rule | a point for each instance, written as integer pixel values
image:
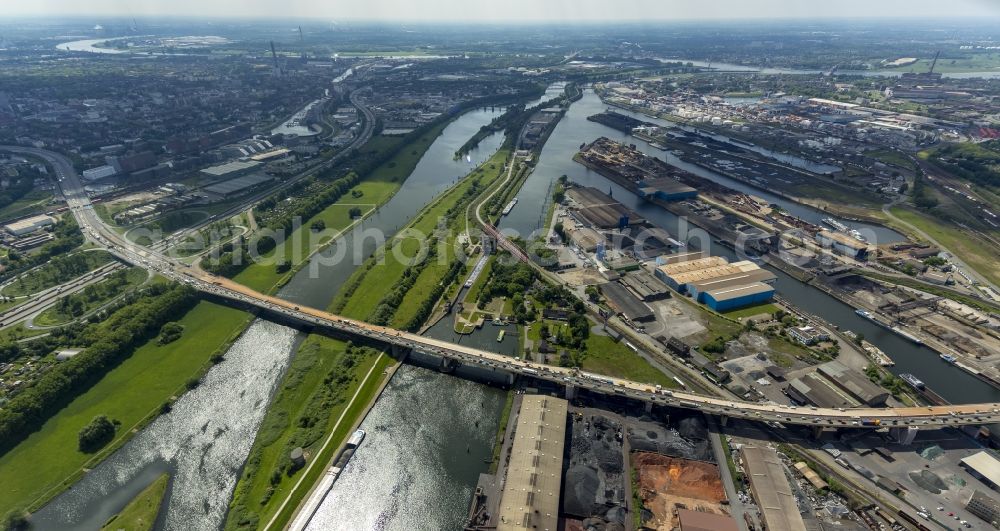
(95, 229)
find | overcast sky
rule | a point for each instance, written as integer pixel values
(510, 10)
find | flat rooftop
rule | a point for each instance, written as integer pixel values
(726, 294)
(530, 498)
(684, 266)
(771, 489)
(626, 303)
(985, 465)
(229, 167)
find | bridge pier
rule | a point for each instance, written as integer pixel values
(570, 392)
(649, 407)
(817, 432)
(724, 420)
(447, 365)
(398, 352)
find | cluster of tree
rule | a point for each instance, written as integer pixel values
(716, 345)
(17, 189)
(97, 434)
(507, 280)
(76, 304)
(415, 322)
(67, 236)
(281, 225)
(170, 332)
(923, 196)
(976, 163)
(105, 344)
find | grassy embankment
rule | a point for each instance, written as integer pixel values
(376, 188)
(975, 252)
(317, 366)
(363, 292)
(140, 513)
(48, 460)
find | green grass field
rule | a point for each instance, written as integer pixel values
(140, 513)
(605, 356)
(751, 311)
(132, 393)
(977, 253)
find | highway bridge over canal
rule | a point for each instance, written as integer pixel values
(572, 380)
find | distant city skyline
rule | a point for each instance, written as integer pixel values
(511, 10)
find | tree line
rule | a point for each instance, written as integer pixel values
(105, 344)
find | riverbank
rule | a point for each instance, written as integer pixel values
(134, 393)
(809, 279)
(865, 214)
(258, 493)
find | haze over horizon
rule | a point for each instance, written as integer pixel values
(513, 10)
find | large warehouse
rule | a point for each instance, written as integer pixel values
(599, 210)
(530, 498)
(28, 225)
(726, 299)
(230, 170)
(626, 303)
(712, 280)
(667, 189)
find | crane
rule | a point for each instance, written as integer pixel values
(934, 62)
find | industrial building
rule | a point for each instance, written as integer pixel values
(626, 303)
(811, 389)
(237, 186)
(808, 335)
(29, 225)
(712, 280)
(274, 154)
(770, 488)
(854, 383)
(689, 520)
(530, 498)
(667, 189)
(843, 244)
(230, 170)
(985, 507)
(983, 467)
(100, 172)
(726, 299)
(742, 278)
(598, 209)
(645, 286)
(833, 385)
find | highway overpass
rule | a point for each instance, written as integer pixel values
(222, 288)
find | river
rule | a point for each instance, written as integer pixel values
(204, 441)
(556, 159)
(730, 67)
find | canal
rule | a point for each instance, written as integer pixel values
(204, 441)
(949, 381)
